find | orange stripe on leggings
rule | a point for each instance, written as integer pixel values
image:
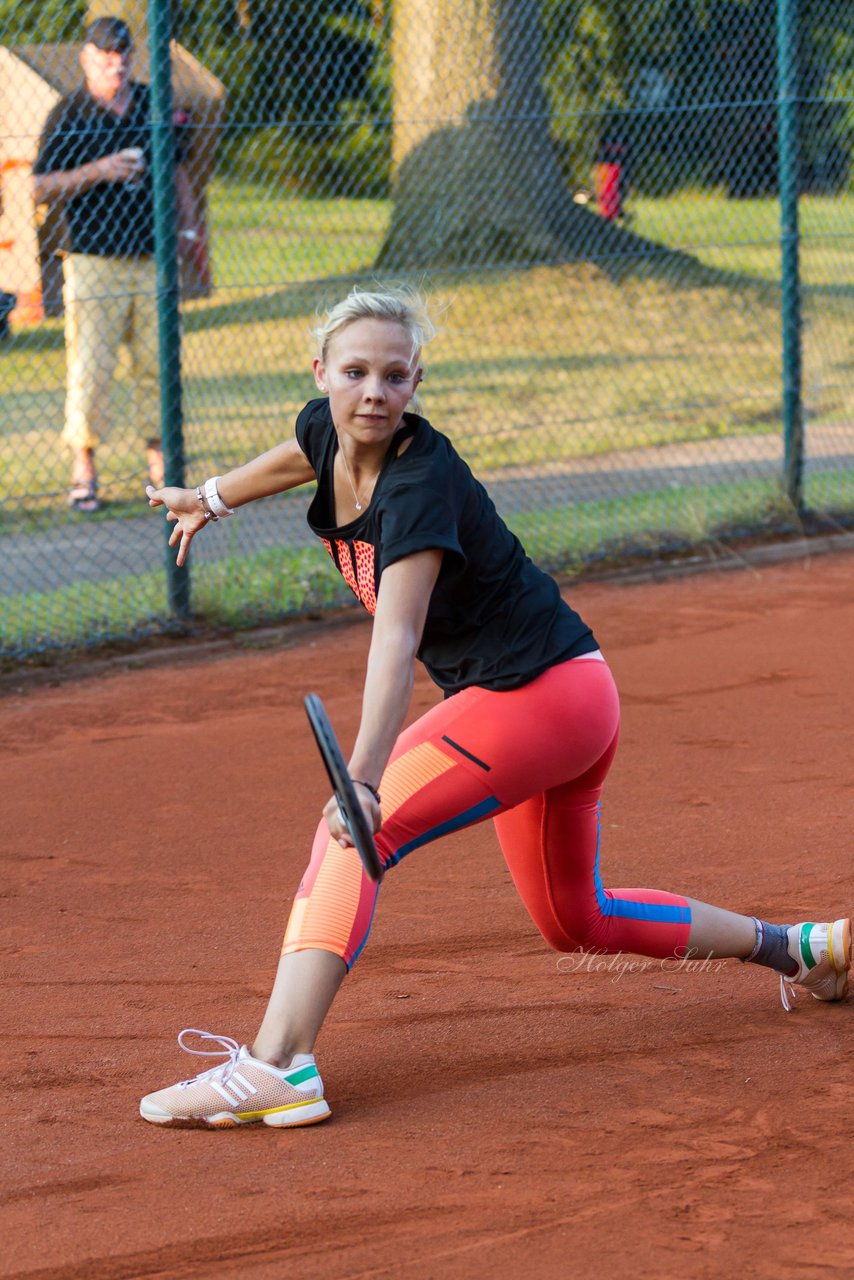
(409, 773)
(326, 915)
(334, 915)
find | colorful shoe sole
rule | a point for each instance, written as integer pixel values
(291, 1117)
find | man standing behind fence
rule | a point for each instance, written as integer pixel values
(95, 156)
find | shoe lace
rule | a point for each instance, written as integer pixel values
(788, 994)
(229, 1049)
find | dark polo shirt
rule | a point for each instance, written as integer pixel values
(112, 219)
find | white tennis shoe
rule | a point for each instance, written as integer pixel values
(241, 1090)
(823, 955)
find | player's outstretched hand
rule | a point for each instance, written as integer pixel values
(338, 830)
(182, 507)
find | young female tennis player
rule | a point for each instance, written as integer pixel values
(525, 734)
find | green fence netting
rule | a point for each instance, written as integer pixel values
(634, 219)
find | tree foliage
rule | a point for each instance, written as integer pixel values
(689, 84)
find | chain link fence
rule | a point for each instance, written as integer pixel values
(635, 222)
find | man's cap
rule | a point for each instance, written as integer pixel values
(113, 35)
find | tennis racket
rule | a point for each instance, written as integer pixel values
(342, 785)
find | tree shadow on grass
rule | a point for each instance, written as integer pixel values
(302, 300)
(36, 339)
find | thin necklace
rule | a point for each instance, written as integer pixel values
(352, 486)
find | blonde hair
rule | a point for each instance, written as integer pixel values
(404, 306)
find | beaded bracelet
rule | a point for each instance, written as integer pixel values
(360, 783)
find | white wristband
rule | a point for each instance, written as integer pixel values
(215, 502)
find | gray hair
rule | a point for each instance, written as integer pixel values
(406, 307)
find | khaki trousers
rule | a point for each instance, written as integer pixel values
(109, 301)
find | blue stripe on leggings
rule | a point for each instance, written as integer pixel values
(655, 912)
(361, 946)
(464, 819)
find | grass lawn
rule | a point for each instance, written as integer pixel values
(531, 368)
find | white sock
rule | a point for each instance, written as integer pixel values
(301, 1060)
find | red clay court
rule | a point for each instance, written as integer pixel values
(498, 1112)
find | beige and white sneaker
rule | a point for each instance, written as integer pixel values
(823, 955)
(241, 1090)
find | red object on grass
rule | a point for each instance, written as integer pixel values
(609, 195)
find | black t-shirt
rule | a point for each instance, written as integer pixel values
(113, 219)
(494, 618)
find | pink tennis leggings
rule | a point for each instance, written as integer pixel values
(534, 761)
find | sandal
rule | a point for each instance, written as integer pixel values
(83, 497)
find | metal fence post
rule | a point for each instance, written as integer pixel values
(168, 286)
(788, 101)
